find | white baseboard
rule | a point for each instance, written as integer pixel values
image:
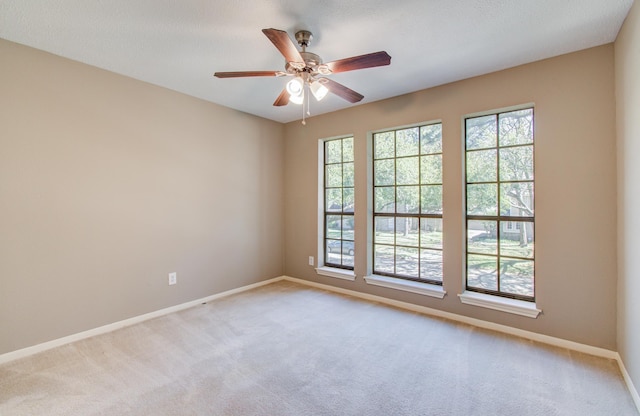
(545, 339)
(25, 352)
(558, 342)
(627, 379)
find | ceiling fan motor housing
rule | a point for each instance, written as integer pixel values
(311, 62)
(303, 37)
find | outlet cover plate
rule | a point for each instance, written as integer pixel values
(173, 278)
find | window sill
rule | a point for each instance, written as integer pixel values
(514, 306)
(337, 273)
(407, 285)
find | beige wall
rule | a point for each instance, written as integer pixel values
(575, 188)
(107, 184)
(627, 59)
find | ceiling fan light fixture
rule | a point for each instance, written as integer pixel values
(323, 69)
(297, 99)
(295, 87)
(319, 91)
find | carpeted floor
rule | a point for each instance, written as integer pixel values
(287, 349)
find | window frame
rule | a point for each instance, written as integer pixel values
(325, 266)
(397, 280)
(509, 222)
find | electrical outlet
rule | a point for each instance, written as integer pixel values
(311, 261)
(173, 278)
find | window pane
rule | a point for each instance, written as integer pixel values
(333, 151)
(407, 142)
(333, 199)
(347, 174)
(348, 251)
(383, 258)
(482, 237)
(431, 139)
(431, 199)
(481, 132)
(431, 265)
(516, 239)
(334, 226)
(384, 172)
(385, 198)
(482, 166)
(347, 149)
(431, 169)
(482, 199)
(334, 176)
(516, 163)
(407, 232)
(482, 272)
(348, 200)
(384, 230)
(407, 170)
(333, 249)
(383, 145)
(516, 276)
(516, 199)
(431, 233)
(408, 199)
(347, 227)
(516, 127)
(407, 261)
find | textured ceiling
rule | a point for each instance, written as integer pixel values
(179, 44)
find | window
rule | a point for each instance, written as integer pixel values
(339, 248)
(499, 204)
(407, 203)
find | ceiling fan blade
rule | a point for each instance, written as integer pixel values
(285, 45)
(341, 91)
(283, 99)
(369, 60)
(240, 74)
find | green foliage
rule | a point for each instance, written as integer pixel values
(481, 132)
(408, 142)
(516, 127)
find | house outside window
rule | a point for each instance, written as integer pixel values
(499, 172)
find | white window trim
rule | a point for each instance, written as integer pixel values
(337, 273)
(499, 303)
(427, 289)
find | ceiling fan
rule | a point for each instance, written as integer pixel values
(308, 70)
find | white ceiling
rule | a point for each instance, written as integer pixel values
(179, 44)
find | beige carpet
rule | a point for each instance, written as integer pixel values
(286, 349)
